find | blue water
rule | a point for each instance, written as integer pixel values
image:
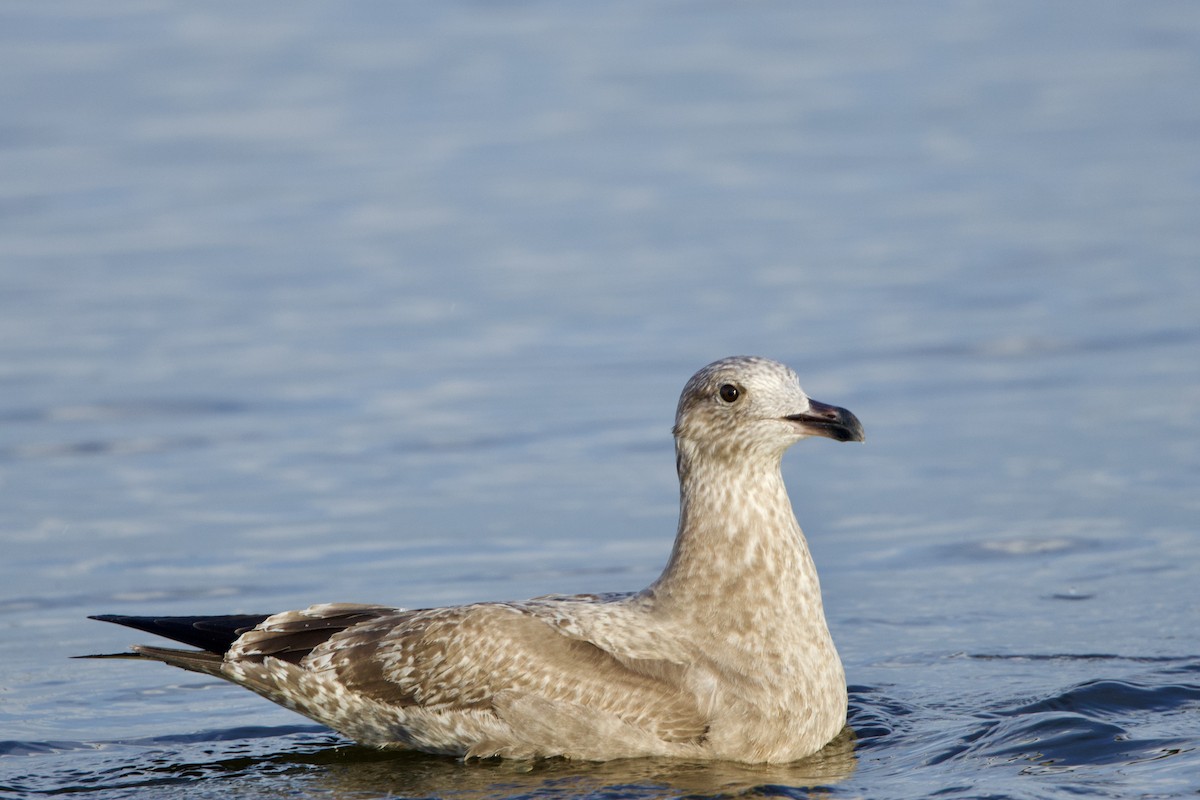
(391, 302)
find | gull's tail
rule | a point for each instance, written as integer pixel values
(213, 635)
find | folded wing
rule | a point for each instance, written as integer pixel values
(505, 677)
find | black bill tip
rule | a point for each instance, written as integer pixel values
(832, 422)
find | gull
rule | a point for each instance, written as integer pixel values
(726, 656)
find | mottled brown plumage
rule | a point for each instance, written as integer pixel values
(726, 656)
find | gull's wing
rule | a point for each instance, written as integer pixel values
(485, 679)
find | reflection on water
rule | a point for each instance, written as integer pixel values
(311, 762)
(418, 776)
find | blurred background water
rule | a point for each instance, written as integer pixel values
(391, 302)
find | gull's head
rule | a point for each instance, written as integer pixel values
(746, 404)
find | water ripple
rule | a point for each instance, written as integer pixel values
(1115, 698)
(1095, 722)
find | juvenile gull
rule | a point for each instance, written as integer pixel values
(726, 656)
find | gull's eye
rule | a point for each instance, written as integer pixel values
(729, 393)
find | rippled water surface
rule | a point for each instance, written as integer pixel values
(391, 302)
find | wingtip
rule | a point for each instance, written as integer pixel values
(109, 655)
(212, 633)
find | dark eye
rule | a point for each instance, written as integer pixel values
(729, 393)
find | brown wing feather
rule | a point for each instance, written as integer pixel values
(463, 657)
(292, 635)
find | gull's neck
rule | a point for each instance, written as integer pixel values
(739, 550)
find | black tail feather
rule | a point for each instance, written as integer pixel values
(213, 634)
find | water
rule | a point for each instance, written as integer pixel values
(393, 302)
